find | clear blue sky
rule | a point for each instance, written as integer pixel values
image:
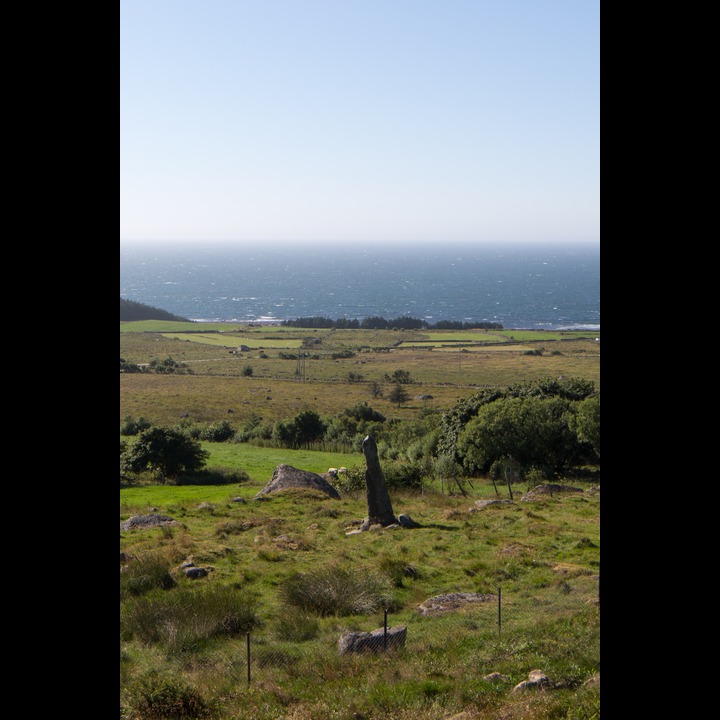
(360, 120)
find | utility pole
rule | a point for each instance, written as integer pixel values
(300, 369)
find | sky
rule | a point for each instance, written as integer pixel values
(371, 121)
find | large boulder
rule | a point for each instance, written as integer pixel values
(286, 476)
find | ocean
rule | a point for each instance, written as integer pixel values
(541, 287)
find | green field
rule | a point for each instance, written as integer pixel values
(541, 558)
(235, 644)
(327, 381)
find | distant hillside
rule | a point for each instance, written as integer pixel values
(130, 311)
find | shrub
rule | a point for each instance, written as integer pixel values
(404, 474)
(363, 411)
(336, 590)
(145, 573)
(128, 367)
(155, 698)
(217, 432)
(247, 371)
(168, 366)
(164, 451)
(131, 426)
(351, 480)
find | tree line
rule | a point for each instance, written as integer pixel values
(541, 429)
(375, 322)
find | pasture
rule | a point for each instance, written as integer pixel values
(236, 644)
(327, 370)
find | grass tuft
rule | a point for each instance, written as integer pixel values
(337, 590)
(142, 574)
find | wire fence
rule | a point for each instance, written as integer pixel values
(451, 626)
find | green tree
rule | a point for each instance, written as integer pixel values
(375, 390)
(309, 427)
(398, 394)
(305, 428)
(456, 418)
(586, 422)
(165, 452)
(283, 432)
(531, 431)
(363, 411)
(217, 432)
(399, 376)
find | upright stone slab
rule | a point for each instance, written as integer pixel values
(375, 641)
(380, 510)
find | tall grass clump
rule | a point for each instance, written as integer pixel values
(337, 590)
(185, 619)
(297, 626)
(144, 573)
(398, 570)
(152, 697)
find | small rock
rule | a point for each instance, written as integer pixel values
(496, 677)
(537, 680)
(195, 572)
(407, 522)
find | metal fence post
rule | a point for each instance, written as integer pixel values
(385, 630)
(499, 609)
(248, 657)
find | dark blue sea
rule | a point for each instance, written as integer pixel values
(544, 287)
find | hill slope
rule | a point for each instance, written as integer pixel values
(131, 310)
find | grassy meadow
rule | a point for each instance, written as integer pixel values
(447, 365)
(253, 638)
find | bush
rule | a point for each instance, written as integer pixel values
(165, 452)
(247, 371)
(131, 426)
(143, 574)
(363, 411)
(352, 479)
(404, 475)
(217, 432)
(339, 591)
(168, 366)
(155, 698)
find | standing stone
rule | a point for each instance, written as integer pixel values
(380, 509)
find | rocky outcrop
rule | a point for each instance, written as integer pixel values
(480, 504)
(549, 489)
(537, 680)
(452, 601)
(147, 521)
(286, 476)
